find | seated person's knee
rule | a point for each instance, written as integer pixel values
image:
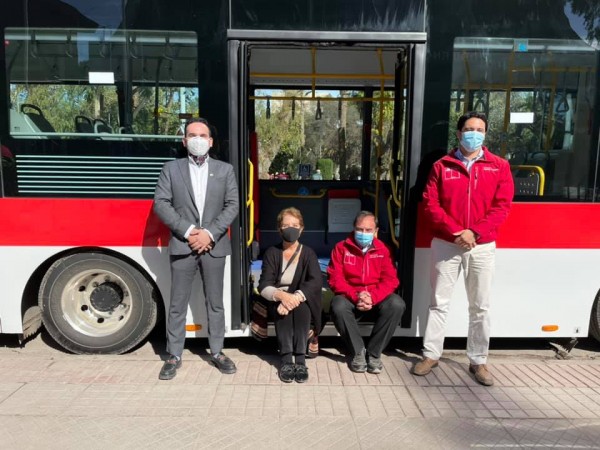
(339, 303)
(395, 303)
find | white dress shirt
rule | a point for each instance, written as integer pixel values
(199, 177)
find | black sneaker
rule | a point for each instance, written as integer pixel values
(287, 372)
(359, 362)
(169, 368)
(223, 363)
(374, 365)
(301, 374)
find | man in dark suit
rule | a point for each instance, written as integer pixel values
(197, 198)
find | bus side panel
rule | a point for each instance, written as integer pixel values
(19, 263)
(546, 273)
(531, 288)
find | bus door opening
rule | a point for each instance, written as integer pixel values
(326, 132)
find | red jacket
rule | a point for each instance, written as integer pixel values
(351, 271)
(480, 200)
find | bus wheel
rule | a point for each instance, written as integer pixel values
(96, 303)
(595, 319)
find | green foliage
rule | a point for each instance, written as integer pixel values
(325, 165)
(280, 163)
(337, 135)
(60, 105)
(278, 131)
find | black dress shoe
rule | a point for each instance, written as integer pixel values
(287, 372)
(169, 368)
(301, 374)
(223, 363)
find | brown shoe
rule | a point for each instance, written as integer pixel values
(482, 374)
(424, 367)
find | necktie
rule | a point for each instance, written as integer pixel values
(199, 159)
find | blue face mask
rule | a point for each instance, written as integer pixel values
(363, 239)
(472, 140)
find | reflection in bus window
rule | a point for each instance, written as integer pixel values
(116, 84)
(539, 96)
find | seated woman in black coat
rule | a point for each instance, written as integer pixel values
(291, 279)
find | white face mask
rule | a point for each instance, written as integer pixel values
(198, 146)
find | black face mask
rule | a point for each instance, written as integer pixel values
(290, 234)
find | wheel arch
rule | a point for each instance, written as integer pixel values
(30, 309)
(594, 329)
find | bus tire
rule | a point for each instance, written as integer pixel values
(595, 319)
(93, 303)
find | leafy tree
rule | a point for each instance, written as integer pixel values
(280, 163)
(326, 167)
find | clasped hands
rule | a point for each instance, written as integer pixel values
(465, 239)
(365, 301)
(287, 302)
(199, 240)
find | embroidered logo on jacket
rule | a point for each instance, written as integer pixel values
(451, 174)
(349, 259)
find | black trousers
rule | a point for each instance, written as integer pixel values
(386, 315)
(292, 333)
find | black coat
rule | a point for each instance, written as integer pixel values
(307, 278)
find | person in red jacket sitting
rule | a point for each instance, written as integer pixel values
(363, 278)
(467, 197)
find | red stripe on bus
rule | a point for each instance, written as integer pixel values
(83, 222)
(541, 225)
(80, 222)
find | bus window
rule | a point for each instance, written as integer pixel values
(539, 97)
(100, 84)
(299, 134)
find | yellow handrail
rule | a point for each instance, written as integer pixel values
(394, 186)
(278, 195)
(392, 224)
(369, 193)
(250, 204)
(537, 169)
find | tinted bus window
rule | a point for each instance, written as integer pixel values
(100, 84)
(539, 95)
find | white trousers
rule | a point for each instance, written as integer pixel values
(447, 261)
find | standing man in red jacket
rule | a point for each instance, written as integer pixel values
(467, 197)
(363, 279)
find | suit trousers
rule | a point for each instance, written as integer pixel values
(292, 333)
(183, 271)
(386, 315)
(447, 261)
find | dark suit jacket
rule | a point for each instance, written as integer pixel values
(174, 204)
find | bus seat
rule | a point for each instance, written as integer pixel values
(100, 126)
(83, 124)
(127, 129)
(35, 114)
(342, 207)
(528, 180)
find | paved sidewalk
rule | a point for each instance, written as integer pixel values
(49, 399)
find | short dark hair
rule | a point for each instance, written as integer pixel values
(362, 214)
(471, 115)
(197, 120)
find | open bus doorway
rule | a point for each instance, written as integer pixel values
(330, 128)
